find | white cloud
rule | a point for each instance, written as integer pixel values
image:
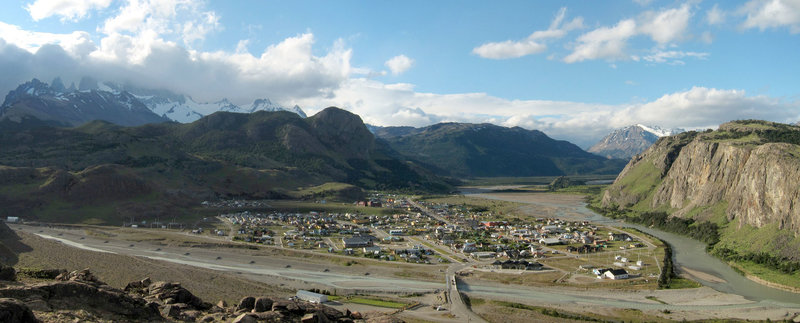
(673, 56)
(700, 107)
(399, 64)
(766, 14)
(603, 43)
(534, 44)
(67, 9)
(509, 49)
(715, 15)
(147, 43)
(183, 20)
(665, 26)
(289, 69)
(77, 43)
(581, 123)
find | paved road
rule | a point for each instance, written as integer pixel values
(428, 212)
(457, 306)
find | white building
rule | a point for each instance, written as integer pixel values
(311, 296)
(616, 274)
(550, 241)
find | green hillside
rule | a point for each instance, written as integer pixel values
(103, 173)
(486, 150)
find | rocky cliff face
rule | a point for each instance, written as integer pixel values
(691, 174)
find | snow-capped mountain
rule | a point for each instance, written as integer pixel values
(660, 132)
(184, 109)
(629, 141)
(267, 105)
(93, 100)
(69, 107)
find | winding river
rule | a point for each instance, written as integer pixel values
(687, 253)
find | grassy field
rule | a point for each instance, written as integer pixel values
(536, 180)
(496, 207)
(305, 206)
(503, 311)
(769, 239)
(581, 189)
(681, 283)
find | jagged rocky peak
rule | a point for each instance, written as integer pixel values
(32, 88)
(58, 85)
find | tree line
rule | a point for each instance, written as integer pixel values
(706, 232)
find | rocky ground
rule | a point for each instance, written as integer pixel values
(79, 296)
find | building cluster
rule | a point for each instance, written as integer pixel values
(307, 228)
(235, 204)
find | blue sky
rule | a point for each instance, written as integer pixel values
(574, 69)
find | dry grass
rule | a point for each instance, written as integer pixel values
(118, 270)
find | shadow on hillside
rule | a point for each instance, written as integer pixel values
(10, 246)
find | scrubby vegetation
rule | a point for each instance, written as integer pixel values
(704, 231)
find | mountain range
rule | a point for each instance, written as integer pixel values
(487, 150)
(117, 103)
(58, 106)
(101, 172)
(629, 141)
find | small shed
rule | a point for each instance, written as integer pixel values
(311, 296)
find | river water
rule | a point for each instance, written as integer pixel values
(687, 252)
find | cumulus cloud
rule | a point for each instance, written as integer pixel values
(182, 19)
(664, 27)
(603, 43)
(399, 64)
(766, 14)
(581, 123)
(285, 70)
(146, 43)
(77, 43)
(73, 10)
(534, 44)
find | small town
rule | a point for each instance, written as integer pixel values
(429, 232)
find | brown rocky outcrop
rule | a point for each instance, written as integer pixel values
(74, 295)
(14, 311)
(691, 172)
(80, 296)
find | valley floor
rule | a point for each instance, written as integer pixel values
(224, 271)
